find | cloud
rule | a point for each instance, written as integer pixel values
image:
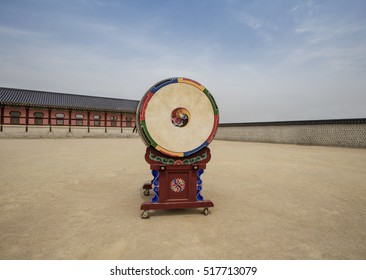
(263, 30)
(324, 23)
(330, 28)
(250, 21)
(10, 31)
(306, 8)
(330, 40)
(115, 64)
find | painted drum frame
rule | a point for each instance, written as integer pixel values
(143, 129)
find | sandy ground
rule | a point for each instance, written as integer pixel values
(80, 199)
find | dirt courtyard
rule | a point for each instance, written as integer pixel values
(80, 199)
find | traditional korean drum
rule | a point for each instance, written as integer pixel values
(177, 117)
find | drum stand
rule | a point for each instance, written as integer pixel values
(177, 181)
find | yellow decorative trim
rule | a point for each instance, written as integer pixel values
(164, 151)
(182, 80)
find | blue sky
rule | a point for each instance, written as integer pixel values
(262, 60)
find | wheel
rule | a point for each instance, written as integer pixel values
(146, 192)
(205, 211)
(145, 214)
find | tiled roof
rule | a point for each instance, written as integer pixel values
(35, 98)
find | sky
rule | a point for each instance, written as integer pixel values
(261, 60)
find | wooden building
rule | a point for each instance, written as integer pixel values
(24, 110)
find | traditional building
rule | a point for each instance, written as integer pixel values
(39, 112)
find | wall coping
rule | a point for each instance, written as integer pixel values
(299, 122)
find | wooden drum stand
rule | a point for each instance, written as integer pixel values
(177, 183)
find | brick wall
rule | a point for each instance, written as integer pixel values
(343, 133)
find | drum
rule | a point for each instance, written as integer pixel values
(177, 117)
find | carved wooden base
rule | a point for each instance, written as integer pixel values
(177, 182)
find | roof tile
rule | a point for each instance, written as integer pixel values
(14, 96)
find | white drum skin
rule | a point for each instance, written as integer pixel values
(157, 123)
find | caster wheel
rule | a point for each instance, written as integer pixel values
(146, 192)
(205, 211)
(145, 215)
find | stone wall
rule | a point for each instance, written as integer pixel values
(343, 133)
(34, 131)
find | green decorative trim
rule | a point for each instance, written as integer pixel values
(163, 160)
(212, 100)
(147, 134)
(195, 159)
(169, 161)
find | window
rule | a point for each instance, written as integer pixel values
(14, 117)
(79, 119)
(113, 121)
(97, 120)
(38, 118)
(129, 121)
(60, 118)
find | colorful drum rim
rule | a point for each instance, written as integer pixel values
(141, 109)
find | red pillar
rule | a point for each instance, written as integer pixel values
(49, 118)
(70, 120)
(1, 118)
(121, 123)
(26, 118)
(88, 121)
(105, 122)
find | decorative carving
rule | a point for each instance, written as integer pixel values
(199, 185)
(163, 160)
(170, 161)
(195, 159)
(177, 185)
(155, 185)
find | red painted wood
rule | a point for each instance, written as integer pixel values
(177, 205)
(171, 168)
(1, 118)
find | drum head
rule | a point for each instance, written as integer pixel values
(178, 117)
